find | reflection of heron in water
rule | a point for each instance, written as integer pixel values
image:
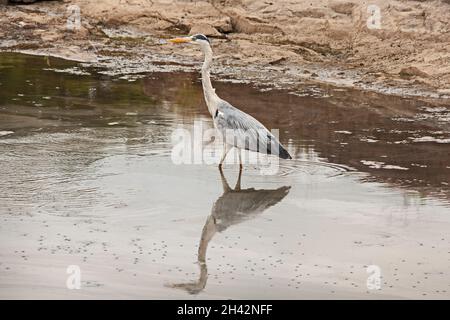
(232, 207)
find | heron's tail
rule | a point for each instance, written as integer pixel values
(274, 147)
(283, 154)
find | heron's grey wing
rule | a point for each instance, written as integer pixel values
(245, 132)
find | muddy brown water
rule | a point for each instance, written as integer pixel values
(87, 180)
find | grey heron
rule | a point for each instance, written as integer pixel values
(238, 128)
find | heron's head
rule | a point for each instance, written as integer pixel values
(198, 39)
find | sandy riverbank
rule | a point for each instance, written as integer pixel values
(407, 53)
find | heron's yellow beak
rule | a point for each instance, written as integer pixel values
(180, 40)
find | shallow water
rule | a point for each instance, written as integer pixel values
(87, 179)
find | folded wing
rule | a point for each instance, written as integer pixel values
(245, 132)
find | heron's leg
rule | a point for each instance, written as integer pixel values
(238, 182)
(240, 159)
(226, 149)
(225, 185)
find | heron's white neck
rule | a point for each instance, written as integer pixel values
(208, 91)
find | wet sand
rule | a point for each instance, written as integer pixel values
(87, 180)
